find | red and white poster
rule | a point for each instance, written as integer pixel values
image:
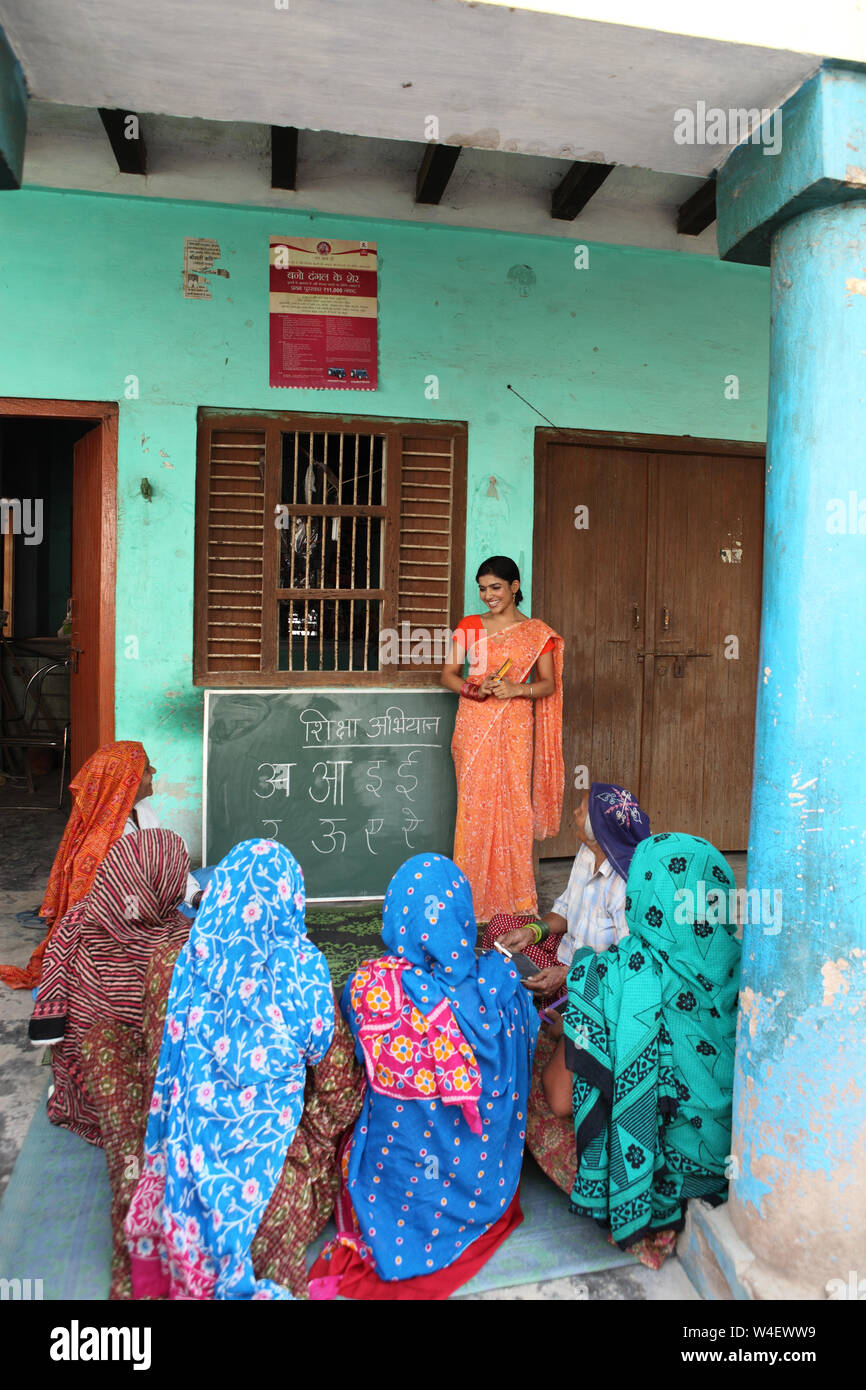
(323, 312)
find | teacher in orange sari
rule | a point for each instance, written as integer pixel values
(507, 744)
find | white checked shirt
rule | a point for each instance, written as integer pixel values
(146, 819)
(593, 905)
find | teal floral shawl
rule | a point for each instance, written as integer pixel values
(649, 1030)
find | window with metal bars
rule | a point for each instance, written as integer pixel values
(328, 550)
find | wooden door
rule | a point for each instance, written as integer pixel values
(589, 582)
(704, 576)
(91, 682)
(658, 598)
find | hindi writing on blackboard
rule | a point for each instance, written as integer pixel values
(352, 782)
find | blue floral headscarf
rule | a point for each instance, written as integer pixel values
(250, 1008)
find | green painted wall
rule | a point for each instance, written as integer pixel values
(90, 293)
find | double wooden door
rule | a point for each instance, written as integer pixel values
(647, 558)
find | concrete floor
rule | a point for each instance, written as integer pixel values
(30, 831)
(30, 838)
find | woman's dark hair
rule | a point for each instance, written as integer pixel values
(502, 567)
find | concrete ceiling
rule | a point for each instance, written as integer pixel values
(495, 78)
(227, 162)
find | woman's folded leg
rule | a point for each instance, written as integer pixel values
(303, 1199)
(112, 1058)
(549, 1139)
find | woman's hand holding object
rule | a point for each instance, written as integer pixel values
(549, 981)
(505, 689)
(517, 939)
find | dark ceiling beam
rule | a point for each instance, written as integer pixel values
(123, 129)
(698, 211)
(284, 156)
(581, 183)
(437, 166)
(13, 117)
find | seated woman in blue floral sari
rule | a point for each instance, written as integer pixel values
(646, 1064)
(432, 1171)
(250, 1008)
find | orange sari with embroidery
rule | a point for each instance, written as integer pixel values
(103, 794)
(510, 774)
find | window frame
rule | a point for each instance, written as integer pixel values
(273, 424)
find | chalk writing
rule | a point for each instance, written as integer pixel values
(396, 721)
(354, 781)
(332, 835)
(374, 827)
(279, 780)
(379, 783)
(412, 823)
(333, 781)
(405, 771)
(319, 729)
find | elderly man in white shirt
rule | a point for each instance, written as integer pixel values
(591, 911)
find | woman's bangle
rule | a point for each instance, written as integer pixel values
(471, 691)
(539, 931)
(530, 690)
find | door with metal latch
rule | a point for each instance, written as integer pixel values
(647, 558)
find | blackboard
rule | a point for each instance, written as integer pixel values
(353, 782)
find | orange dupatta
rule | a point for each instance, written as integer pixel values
(103, 794)
(510, 774)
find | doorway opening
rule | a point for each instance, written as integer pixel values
(58, 469)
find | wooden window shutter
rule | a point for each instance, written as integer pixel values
(431, 542)
(230, 523)
(241, 610)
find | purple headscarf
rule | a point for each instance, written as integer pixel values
(618, 823)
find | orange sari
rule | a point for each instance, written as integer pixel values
(510, 775)
(103, 794)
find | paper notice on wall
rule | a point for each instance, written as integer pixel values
(199, 254)
(323, 314)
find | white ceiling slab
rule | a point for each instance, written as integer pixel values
(494, 78)
(207, 161)
(836, 28)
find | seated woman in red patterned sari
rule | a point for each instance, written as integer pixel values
(95, 962)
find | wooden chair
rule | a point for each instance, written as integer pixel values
(31, 733)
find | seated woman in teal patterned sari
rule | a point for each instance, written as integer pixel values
(645, 1066)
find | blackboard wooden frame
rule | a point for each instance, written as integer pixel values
(340, 693)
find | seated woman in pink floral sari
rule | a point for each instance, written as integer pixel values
(507, 744)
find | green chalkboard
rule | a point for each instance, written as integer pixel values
(353, 782)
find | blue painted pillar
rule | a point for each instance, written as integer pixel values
(798, 1196)
(13, 117)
